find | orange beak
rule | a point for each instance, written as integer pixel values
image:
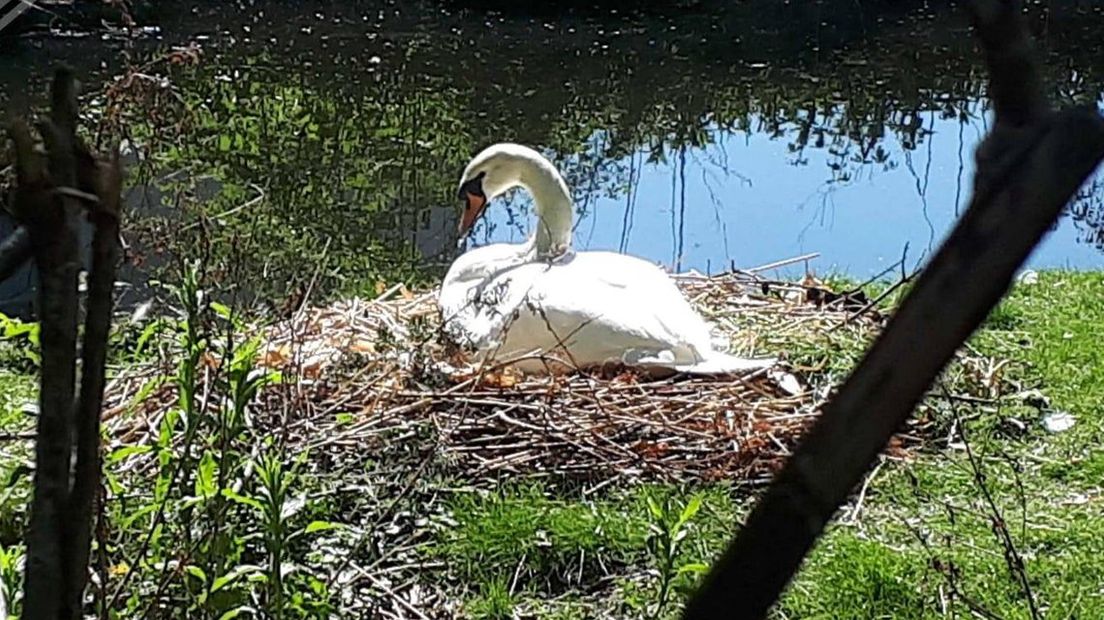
(473, 208)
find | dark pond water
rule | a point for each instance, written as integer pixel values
(703, 136)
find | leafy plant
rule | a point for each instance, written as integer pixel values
(22, 338)
(494, 602)
(11, 580)
(667, 529)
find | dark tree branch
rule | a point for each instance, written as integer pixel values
(48, 200)
(1015, 84)
(51, 218)
(15, 251)
(104, 180)
(1028, 168)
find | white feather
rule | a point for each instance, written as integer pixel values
(528, 303)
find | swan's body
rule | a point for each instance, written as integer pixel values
(543, 306)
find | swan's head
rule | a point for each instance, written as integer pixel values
(495, 170)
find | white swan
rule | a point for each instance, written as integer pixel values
(541, 306)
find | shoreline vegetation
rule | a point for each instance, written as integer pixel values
(366, 122)
(325, 460)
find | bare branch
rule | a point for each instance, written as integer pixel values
(1028, 169)
(1015, 85)
(105, 181)
(52, 220)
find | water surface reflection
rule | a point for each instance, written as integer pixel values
(750, 198)
(721, 133)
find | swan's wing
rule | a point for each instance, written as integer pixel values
(482, 292)
(596, 305)
(616, 293)
(472, 269)
(636, 312)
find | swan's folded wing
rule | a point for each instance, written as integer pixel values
(479, 303)
(614, 293)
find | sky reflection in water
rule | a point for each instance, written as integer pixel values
(749, 199)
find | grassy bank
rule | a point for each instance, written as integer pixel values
(210, 515)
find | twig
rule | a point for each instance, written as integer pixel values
(883, 295)
(948, 570)
(1012, 555)
(899, 264)
(320, 264)
(389, 592)
(225, 214)
(857, 509)
(782, 263)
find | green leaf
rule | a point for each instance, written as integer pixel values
(693, 567)
(128, 520)
(196, 572)
(205, 485)
(242, 499)
(221, 309)
(234, 574)
(319, 526)
(147, 334)
(691, 509)
(237, 611)
(125, 451)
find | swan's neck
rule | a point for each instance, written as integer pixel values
(552, 206)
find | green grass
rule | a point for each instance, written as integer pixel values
(498, 530)
(853, 577)
(540, 549)
(555, 540)
(918, 520)
(16, 390)
(1055, 332)
(524, 542)
(1049, 332)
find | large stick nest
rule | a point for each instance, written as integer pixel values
(360, 375)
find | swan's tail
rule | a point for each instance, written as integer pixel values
(724, 364)
(717, 362)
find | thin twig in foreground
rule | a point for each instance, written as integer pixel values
(999, 526)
